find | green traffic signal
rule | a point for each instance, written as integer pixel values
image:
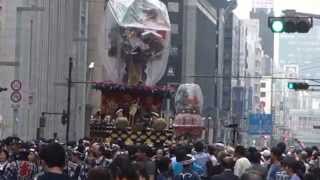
(298, 86)
(291, 86)
(277, 26)
(293, 24)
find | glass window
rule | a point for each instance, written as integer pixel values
(174, 28)
(173, 7)
(174, 51)
(171, 71)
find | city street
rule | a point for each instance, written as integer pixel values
(159, 89)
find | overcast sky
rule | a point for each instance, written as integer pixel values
(307, 6)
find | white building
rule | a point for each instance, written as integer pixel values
(254, 58)
(301, 124)
(41, 36)
(7, 61)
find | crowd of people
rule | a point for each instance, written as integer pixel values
(89, 160)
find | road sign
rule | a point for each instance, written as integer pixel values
(16, 85)
(260, 124)
(16, 97)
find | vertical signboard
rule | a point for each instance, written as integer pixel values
(260, 124)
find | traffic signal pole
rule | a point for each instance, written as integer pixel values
(69, 99)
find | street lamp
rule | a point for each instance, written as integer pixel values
(91, 65)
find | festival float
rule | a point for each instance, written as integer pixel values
(136, 51)
(132, 106)
(188, 123)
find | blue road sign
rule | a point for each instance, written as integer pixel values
(260, 124)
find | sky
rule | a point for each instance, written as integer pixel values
(307, 6)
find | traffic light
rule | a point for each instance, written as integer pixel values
(3, 89)
(298, 86)
(290, 24)
(42, 120)
(64, 117)
(316, 127)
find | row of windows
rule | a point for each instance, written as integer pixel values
(173, 9)
(307, 124)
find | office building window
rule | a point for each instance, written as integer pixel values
(263, 85)
(174, 28)
(171, 71)
(263, 94)
(174, 51)
(173, 7)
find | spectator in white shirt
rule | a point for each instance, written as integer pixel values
(242, 163)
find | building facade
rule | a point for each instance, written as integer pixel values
(173, 73)
(298, 59)
(41, 36)
(254, 66)
(301, 125)
(197, 54)
(232, 102)
(267, 37)
(247, 87)
(302, 50)
(8, 63)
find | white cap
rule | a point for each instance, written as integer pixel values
(266, 153)
(155, 114)
(119, 110)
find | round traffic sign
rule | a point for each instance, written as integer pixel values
(16, 97)
(16, 85)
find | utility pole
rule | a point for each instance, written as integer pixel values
(69, 99)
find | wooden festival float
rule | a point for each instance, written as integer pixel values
(132, 106)
(137, 49)
(188, 123)
(132, 114)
